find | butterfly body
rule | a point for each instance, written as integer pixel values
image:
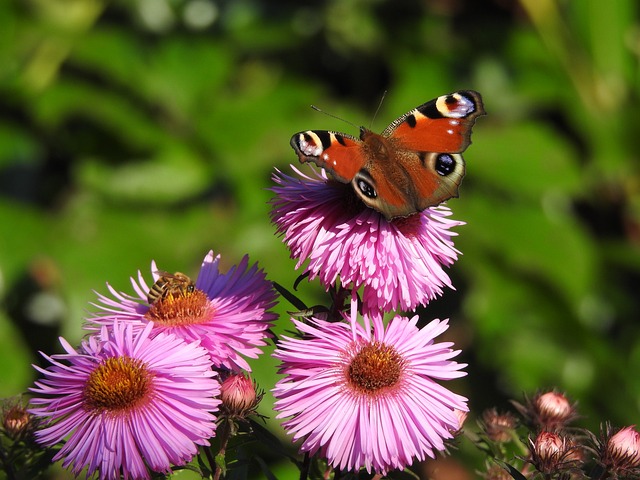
(414, 164)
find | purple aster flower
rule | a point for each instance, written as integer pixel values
(398, 262)
(363, 398)
(127, 402)
(227, 313)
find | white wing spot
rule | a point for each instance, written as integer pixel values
(309, 149)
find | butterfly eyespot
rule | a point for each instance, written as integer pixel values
(445, 164)
(366, 189)
(455, 105)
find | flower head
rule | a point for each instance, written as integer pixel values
(550, 411)
(364, 398)
(462, 417)
(239, 396)
(127, 402)
(619, 451)
(499, 427)
(227, 313)
(397, 263)
(552, 453)
(625, 445)
(16, 422)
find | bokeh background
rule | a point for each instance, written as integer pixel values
(135, 130)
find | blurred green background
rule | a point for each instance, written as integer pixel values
(148, 129)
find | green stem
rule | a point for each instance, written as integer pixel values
(524, 450)
(224, 433)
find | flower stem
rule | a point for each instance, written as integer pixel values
(304, 467)
(224, 435)
(524, 450)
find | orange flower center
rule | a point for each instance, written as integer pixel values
(374, 368)
(183, 309)
(117, 384)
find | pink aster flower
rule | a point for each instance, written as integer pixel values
(228, 313)
(398, 262)
(363, 398)
(127, 402)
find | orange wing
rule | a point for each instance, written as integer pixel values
(442, 125)
(338, 153)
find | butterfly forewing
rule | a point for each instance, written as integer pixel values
(441, 125)
(340, 154)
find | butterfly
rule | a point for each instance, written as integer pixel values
(414, 164)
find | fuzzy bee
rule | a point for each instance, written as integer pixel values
(176, 284)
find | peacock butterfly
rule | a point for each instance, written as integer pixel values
(414, 164)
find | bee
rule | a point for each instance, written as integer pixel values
(176, 284)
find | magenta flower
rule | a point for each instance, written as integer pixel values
(368, 399)
(127, 402)
(398, 262)
(227, 313)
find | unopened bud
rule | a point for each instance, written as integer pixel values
(548, 446)
(16, 421)
(554, 407)
(552, 453)
(549, 411)
(462, 417)
(623, 449)
(239, 396)
(499, 427)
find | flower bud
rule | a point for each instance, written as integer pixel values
(16, 421)
(552, 453)
(549, 411)
(462, 417)
(499, 427)
(553, 408)
(622, 451)
(239, 396)
(548, 446)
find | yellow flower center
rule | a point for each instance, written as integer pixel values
(184, 309)
(374, 368)
(117, 384)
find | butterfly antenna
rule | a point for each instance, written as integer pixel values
(317, 109)
(384, 94)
